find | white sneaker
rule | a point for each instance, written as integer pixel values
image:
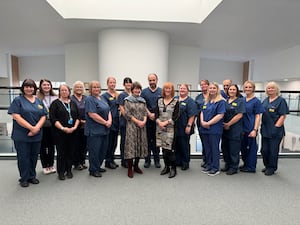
(52, 169)
(46, 170)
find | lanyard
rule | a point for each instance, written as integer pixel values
(68, 108)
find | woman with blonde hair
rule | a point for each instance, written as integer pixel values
(211, 119)
(251, 121)
(272, 127)
(167, 114)
(80, 153)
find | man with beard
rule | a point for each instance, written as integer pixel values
(151, 95)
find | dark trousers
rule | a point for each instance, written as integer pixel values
(122, 143)
(211, 144)
(80, 150)
(231, 152)
(151, 136)
(183, 150)
(270, 151)
(249, 152)
(203, 148)
(65, 146)
(112, 145)
(47, 150)
(97, 148)
(27, 155)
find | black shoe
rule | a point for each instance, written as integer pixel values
(246, 170)
(242, 167)
(61, 177)
(95, 174)
(203, 165)
(102, 170)
(24, 184)
(147, 164)
(34, 181)
(110, 165)
(84, 166)
(269, 172)
(157, 164)
(185, 167)
(231, 172)
(69, 175)
(124, 164)
(79, 167)
(165, 170)
(172, 173)
(116, 165)
(264, 170)
(225, 169)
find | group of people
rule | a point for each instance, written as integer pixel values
(148, 120)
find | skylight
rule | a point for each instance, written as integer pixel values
(184, 11)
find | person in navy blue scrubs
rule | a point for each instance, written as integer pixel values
(29, 115)
(64, 119)
(233, 128)
(200, 100)
(151, 94)
(98, 123)
(111, 97)
(272, 127)
(251, 122)
(127, 83)
(226, 84)
(185, 127)
(211, 119)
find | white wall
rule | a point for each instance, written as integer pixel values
(283, 64)
(134, 53)
(184, 65)
(81, 62)
(4, 65)
(219, 70)
(37, 67)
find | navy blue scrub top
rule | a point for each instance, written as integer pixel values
(99, 106)
(273, 110)
(114, 109)
(210, 110)
(120, 101)
(232, 109)
(31, 112)
(188, 108)
(253, 107)
(151, 98)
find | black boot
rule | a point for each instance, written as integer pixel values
(136, 166)
(166, 168)
(172, 172)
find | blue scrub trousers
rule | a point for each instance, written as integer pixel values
(122, 143)
(249, 152)
(112, 145)
(27, 155)
(97, 147)
(270, 151)
(231, 152)
(211, 144)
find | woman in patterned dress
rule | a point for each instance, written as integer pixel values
(136, 135)
(167, 114)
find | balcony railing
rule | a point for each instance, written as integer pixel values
(290, 144)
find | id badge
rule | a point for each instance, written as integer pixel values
(70, 121)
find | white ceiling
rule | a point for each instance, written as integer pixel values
(235, 30)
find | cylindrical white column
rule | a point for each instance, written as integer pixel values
(134, 53)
